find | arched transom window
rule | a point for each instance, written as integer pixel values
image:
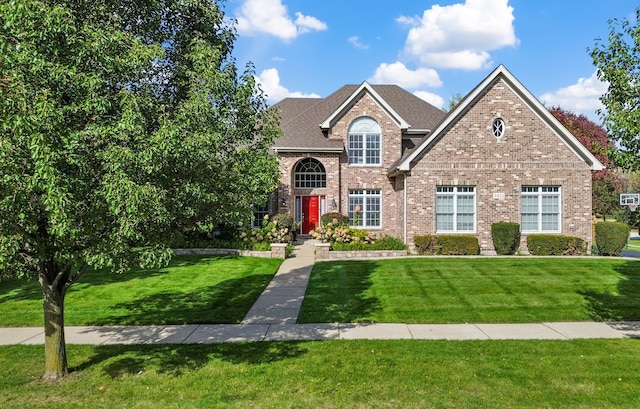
(364, 142)
(310, 173)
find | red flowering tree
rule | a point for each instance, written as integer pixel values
(606, 184)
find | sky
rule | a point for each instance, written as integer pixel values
(434, 49)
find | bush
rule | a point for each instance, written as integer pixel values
(384, 243)
(426, 244)
(447, 245)
(555, 245)
(283, 220)
(506, 237)
(458, 245)
(337, 233)
(335, 218)
(611, 238)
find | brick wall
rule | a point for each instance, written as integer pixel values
(529, 153)
(341, 177)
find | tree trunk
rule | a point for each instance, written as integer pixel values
(55, 350)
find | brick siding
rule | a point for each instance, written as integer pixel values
(529, 153)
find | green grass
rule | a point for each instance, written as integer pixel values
(633, 246)
(191, 290)
(480, 290)
(333, 374)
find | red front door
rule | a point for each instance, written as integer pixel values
(310, 213)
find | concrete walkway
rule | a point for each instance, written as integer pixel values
(281, 300)
(274, 315)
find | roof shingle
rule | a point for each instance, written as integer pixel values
(301, 117)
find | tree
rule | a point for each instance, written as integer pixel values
(454, 101)
(618, 64)
(121, 124)
(606, 184)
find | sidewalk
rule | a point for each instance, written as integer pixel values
(274, 315)
(210, 334)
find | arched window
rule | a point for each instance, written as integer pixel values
(310, 173)
(364, 142)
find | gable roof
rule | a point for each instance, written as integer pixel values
(305, 121)
(532, 102)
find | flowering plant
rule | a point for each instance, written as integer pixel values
(335, 232)
(270, 232)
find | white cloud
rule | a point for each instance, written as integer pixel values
(308, 23)
(355, 40)
(269, 80)
(271, 17)
(582, 97)
(435, 100)
(400, 75)
(460, 35)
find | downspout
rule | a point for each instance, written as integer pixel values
(404, 199)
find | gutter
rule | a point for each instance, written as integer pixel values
(304, 150)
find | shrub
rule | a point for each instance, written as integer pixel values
(426, 244)
(555, 245)
(447, 245)
(611, 238)
(506, 237)
(335, 218)
(458, 245)
(383, 243)
(283, 220)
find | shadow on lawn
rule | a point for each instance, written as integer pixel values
(623, 306)
(122, 360)
(337, 292)
(22, 289)
(225, 302)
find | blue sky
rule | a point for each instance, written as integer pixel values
(435, 49)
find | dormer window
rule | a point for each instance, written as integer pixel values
(498, 128)
(364, 142)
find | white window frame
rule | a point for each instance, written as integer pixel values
(364, 143)
(309, 173)
(259, 211)
(455, 193)
(540, 193)
(367, 197)
(498, 128)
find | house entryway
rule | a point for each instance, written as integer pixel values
(308, 211)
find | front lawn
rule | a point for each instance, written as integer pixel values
(191, 290)
(478, 290)
(332, 374)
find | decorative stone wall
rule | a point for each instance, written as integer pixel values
(323, 253)
(278, 250)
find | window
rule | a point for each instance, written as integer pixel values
(455, 209)
(540, 209)
(498, 128)
(259, 212)
(365, 208)
(310, 173)
(364, 142)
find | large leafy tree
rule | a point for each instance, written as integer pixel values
(618, 63)
(606, 184)
(121, 123)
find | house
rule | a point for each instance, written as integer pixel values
(398, 166)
